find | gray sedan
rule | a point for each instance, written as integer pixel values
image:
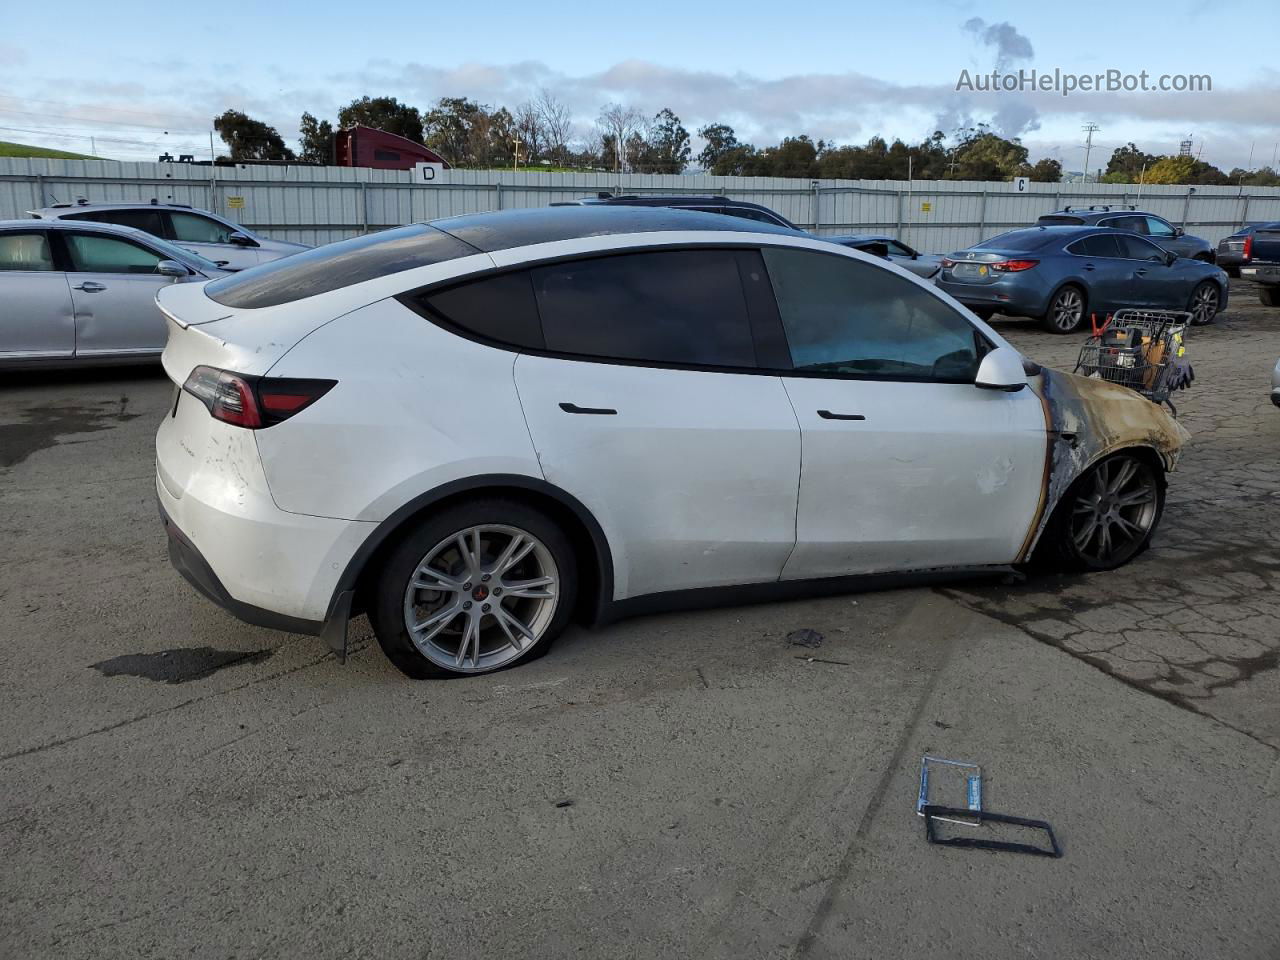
(924, 265)
(75, 294)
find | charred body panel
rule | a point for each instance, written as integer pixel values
(1087, 419)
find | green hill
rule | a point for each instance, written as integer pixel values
(8, 149)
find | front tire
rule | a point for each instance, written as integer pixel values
(476, 588)
(1066, 311)
(1203, 305)
(1107, 517)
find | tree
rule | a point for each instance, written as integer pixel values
(983, 155)
(616, 123)
(723, 155)
(1047, 170)
(1127, 164)
(449, 129)
(557, 125)
(316, 137)
(668, 142)
(531, 130)
(1184, 169)
(250, 139)
(383, 113)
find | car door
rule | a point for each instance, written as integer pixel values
(906, 464)
(648, 406)
(1108, 275)
(36, 313)
(114, 282)
(1150, 280)
(212, 239)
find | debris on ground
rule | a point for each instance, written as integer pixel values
(805, 637)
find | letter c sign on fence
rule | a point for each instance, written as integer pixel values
(1020, 184)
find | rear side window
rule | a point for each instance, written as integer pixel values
(149, 221)
(1099, 245)
(497, 308)
(847, 317)
(337, 265)
(679, 307)
(1136, 224)
(25, 251)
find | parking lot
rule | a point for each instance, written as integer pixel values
(177, 783)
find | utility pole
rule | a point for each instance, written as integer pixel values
(93, 146)
(515, 160)
(1089, 129)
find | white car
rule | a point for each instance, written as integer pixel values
(478, 428)
(228, 244)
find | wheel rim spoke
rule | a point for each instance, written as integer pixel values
(1127, 469)
(463, 614)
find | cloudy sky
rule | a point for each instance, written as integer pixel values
(142, 78)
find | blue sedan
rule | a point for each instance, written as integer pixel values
(1060, 275)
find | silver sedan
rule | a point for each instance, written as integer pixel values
(924, 265)
(75, 294)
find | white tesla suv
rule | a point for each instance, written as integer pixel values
(478, 428)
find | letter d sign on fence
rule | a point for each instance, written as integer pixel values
(427, 172)
(1020, 184)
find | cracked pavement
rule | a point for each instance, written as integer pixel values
(176, 784)
(1196, 619)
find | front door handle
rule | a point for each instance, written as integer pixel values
(1088, 266)
(828, 415)
(91, 286)
(598, 411)
(1141, 272)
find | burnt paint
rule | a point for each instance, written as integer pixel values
(180, 665)
(1087, 419)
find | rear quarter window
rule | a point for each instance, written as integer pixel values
(500, 308)
(337, 265)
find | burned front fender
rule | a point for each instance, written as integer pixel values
(1086, 419)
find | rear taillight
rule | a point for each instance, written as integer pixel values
(1013, 266)
(253, 402)
(948, 262)
(1248, 247)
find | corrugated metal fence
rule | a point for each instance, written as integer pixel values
(321, 204)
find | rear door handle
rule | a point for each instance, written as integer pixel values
(598, 411)
(1140, 273)
(91, 286)
(1088, 266)
(828, 415)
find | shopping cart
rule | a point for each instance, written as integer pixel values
(1140, 349)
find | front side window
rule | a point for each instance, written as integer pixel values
(25, 251)
(1136, 248)
(192, 228)
(1136, 224)
(1158, 228)
(898, 250)
(99, 254)
(678, 307)
(843, 316)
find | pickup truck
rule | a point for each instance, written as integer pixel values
(1263, 266)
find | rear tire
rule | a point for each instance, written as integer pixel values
(1233, 272)
(1269, 295)
(478, 587)
(1067, 310)
(1204, 303)
(1107, 517)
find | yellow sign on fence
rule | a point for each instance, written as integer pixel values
(926, 206)
(235, 202)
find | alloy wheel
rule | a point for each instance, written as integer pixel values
(481, 598)
(1113, 515)
(1204, 304)
(1067, 310)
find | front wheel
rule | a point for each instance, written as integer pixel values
(1066, 311)
(1107, 516)
(1203, 305)
(474, 589)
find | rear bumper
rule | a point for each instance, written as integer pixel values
(1262, 272)
(190, 562)
(1011, 299)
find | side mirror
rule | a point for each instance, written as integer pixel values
(172, 268)
(1169, 257)
(1001, 369)
(1178, 232)
(241, 239)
